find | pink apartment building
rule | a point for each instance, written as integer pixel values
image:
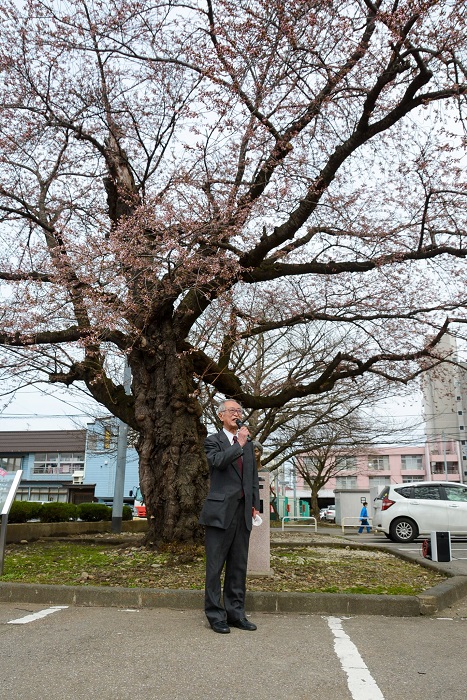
(444, 455)
(390, 465)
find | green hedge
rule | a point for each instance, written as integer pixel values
(22, 511)
(127, 513)
(92, 512)
(54, 512)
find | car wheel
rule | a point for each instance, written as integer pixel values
(403, 530)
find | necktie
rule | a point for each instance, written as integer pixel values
(239, 459)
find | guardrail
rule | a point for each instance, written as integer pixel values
(354, 517)
(300, 517)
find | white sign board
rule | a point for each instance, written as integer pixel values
(8, 484)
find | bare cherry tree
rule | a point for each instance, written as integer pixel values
(333, 449)
(244, 168)
(289, 430)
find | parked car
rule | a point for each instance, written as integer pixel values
(405, 511)
(322, 512)
(330, 514)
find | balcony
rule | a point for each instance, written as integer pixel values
(439, 468)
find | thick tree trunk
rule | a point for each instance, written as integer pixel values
(172, 463)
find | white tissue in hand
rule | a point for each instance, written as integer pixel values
(257, 520)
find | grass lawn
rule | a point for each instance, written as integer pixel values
(304, 569)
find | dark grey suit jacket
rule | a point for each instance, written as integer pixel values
(226, 484)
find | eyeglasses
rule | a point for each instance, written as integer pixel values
(232, 411)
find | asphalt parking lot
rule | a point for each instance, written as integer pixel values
(77, 653)
(457, 565)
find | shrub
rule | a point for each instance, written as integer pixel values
(55, 512)
(92, 512)
(22, 511)
(127, 513)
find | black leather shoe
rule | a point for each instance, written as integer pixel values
(221, 627)
(243, 624)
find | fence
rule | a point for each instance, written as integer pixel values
(300, 517)
(353, 517)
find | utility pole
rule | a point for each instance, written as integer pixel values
(294, 490)
(444, 454)
(122, 443)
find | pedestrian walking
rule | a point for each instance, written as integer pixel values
(364, 519)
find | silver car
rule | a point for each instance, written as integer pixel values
(330, 514)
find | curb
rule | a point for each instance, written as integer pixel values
(427, 603)
(443, 595)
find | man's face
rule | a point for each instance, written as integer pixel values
(232, 413)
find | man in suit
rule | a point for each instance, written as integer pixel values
(232, 502)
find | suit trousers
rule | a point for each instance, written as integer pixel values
(229, 547)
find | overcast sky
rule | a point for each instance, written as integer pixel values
(54, 409)
(59, 408)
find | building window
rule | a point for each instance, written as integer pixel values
(58, 463)
(310, 463)
(346, 462)
(412, 461)
(346, 482)
(378, 462)
(406, 479)
(379, 481)
(439, 468)
(461, 427)
(42, 493)
(10, 464)
(459, 413)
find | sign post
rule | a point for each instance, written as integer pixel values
(8, 484)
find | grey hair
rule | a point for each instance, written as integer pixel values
(221, 406)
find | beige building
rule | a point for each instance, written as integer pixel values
(445, 412)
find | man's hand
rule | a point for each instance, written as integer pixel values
(242, 435)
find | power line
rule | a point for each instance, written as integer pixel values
(41, 415)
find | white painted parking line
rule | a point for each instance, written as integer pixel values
(36, 616)
(360, 682)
